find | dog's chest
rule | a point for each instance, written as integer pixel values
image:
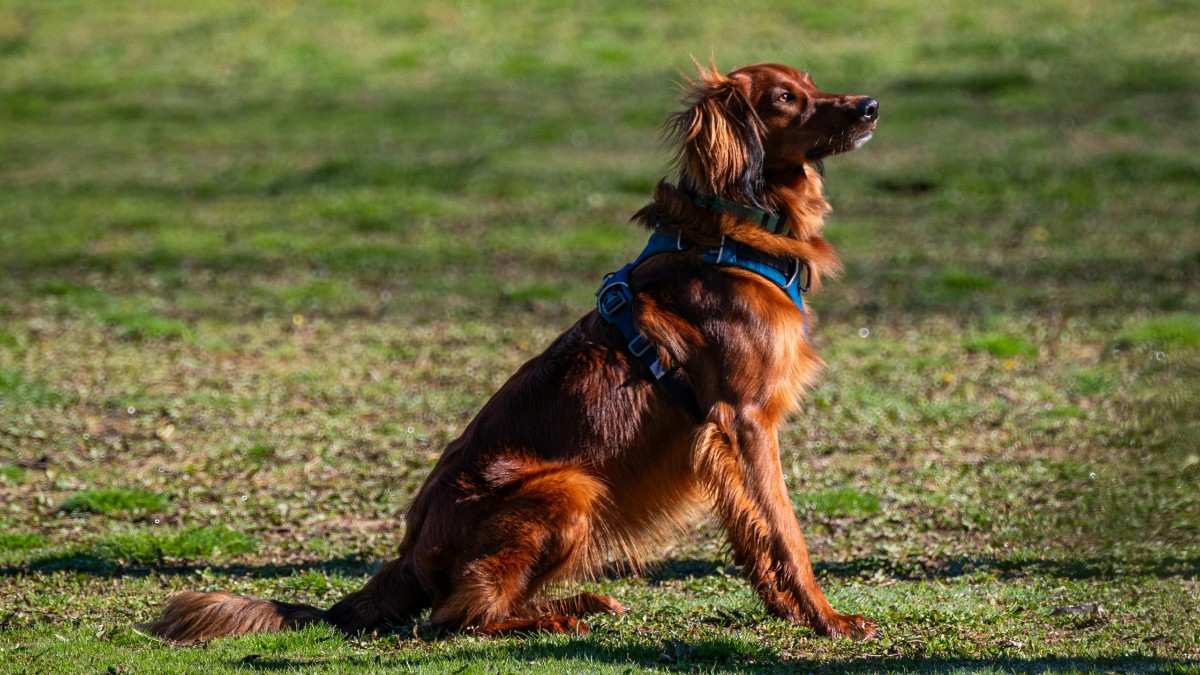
(774, 362)
(793, 369)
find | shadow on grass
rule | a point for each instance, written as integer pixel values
(1064, 568)
(676, 655)
(669, 570)
(90, 563)
(950, 567)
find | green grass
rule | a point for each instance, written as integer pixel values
(129, 317)
(1092, 381)
(114, 552)
(12, 474)
(268, 259)
(17, 390)
(840, 502)
(1177, 330)
(20, 541)
(954, 285)
(1001, 345)
(115, 500)
(260, 452)
(188, 544)
(137, 323)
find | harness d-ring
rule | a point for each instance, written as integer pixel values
(795, 272)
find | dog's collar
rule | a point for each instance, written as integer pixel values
(771, 222)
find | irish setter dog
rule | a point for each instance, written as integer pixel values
(581, 458)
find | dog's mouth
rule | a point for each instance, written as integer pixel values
(861, 139)
(851, 139)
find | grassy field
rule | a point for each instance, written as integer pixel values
(259, 262)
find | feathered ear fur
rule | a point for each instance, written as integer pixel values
(720, 138)
(720, 151)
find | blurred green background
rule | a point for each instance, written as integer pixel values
(259, 262)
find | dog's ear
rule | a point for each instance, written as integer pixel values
(719, 136)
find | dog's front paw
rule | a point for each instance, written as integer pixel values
(853, 626)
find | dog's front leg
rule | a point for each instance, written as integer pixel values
(737, 459)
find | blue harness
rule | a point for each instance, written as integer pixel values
(614, 300)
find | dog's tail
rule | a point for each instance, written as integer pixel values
(393, 594)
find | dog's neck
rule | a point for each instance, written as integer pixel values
(794, 193)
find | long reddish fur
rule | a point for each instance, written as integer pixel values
(579, 459)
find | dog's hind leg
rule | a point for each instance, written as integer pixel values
(539, 532)
(393, 594)
(579, 606)
(558, 615)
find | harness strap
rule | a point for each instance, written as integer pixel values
(614, 300)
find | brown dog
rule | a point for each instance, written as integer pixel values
(581, 456)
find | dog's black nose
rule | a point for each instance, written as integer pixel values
(868, 108)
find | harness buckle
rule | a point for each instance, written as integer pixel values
(657, 370)
(612, 298)
(639, 345)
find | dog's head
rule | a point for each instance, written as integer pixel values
(762, 118)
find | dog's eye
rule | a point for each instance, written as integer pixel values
(787, 97)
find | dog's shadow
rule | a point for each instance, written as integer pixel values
(948, 567)
(583, 655)
(1099, 567)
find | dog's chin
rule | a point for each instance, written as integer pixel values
(851, 141)
(861, 140)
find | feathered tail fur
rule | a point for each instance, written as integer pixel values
(392, 594)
